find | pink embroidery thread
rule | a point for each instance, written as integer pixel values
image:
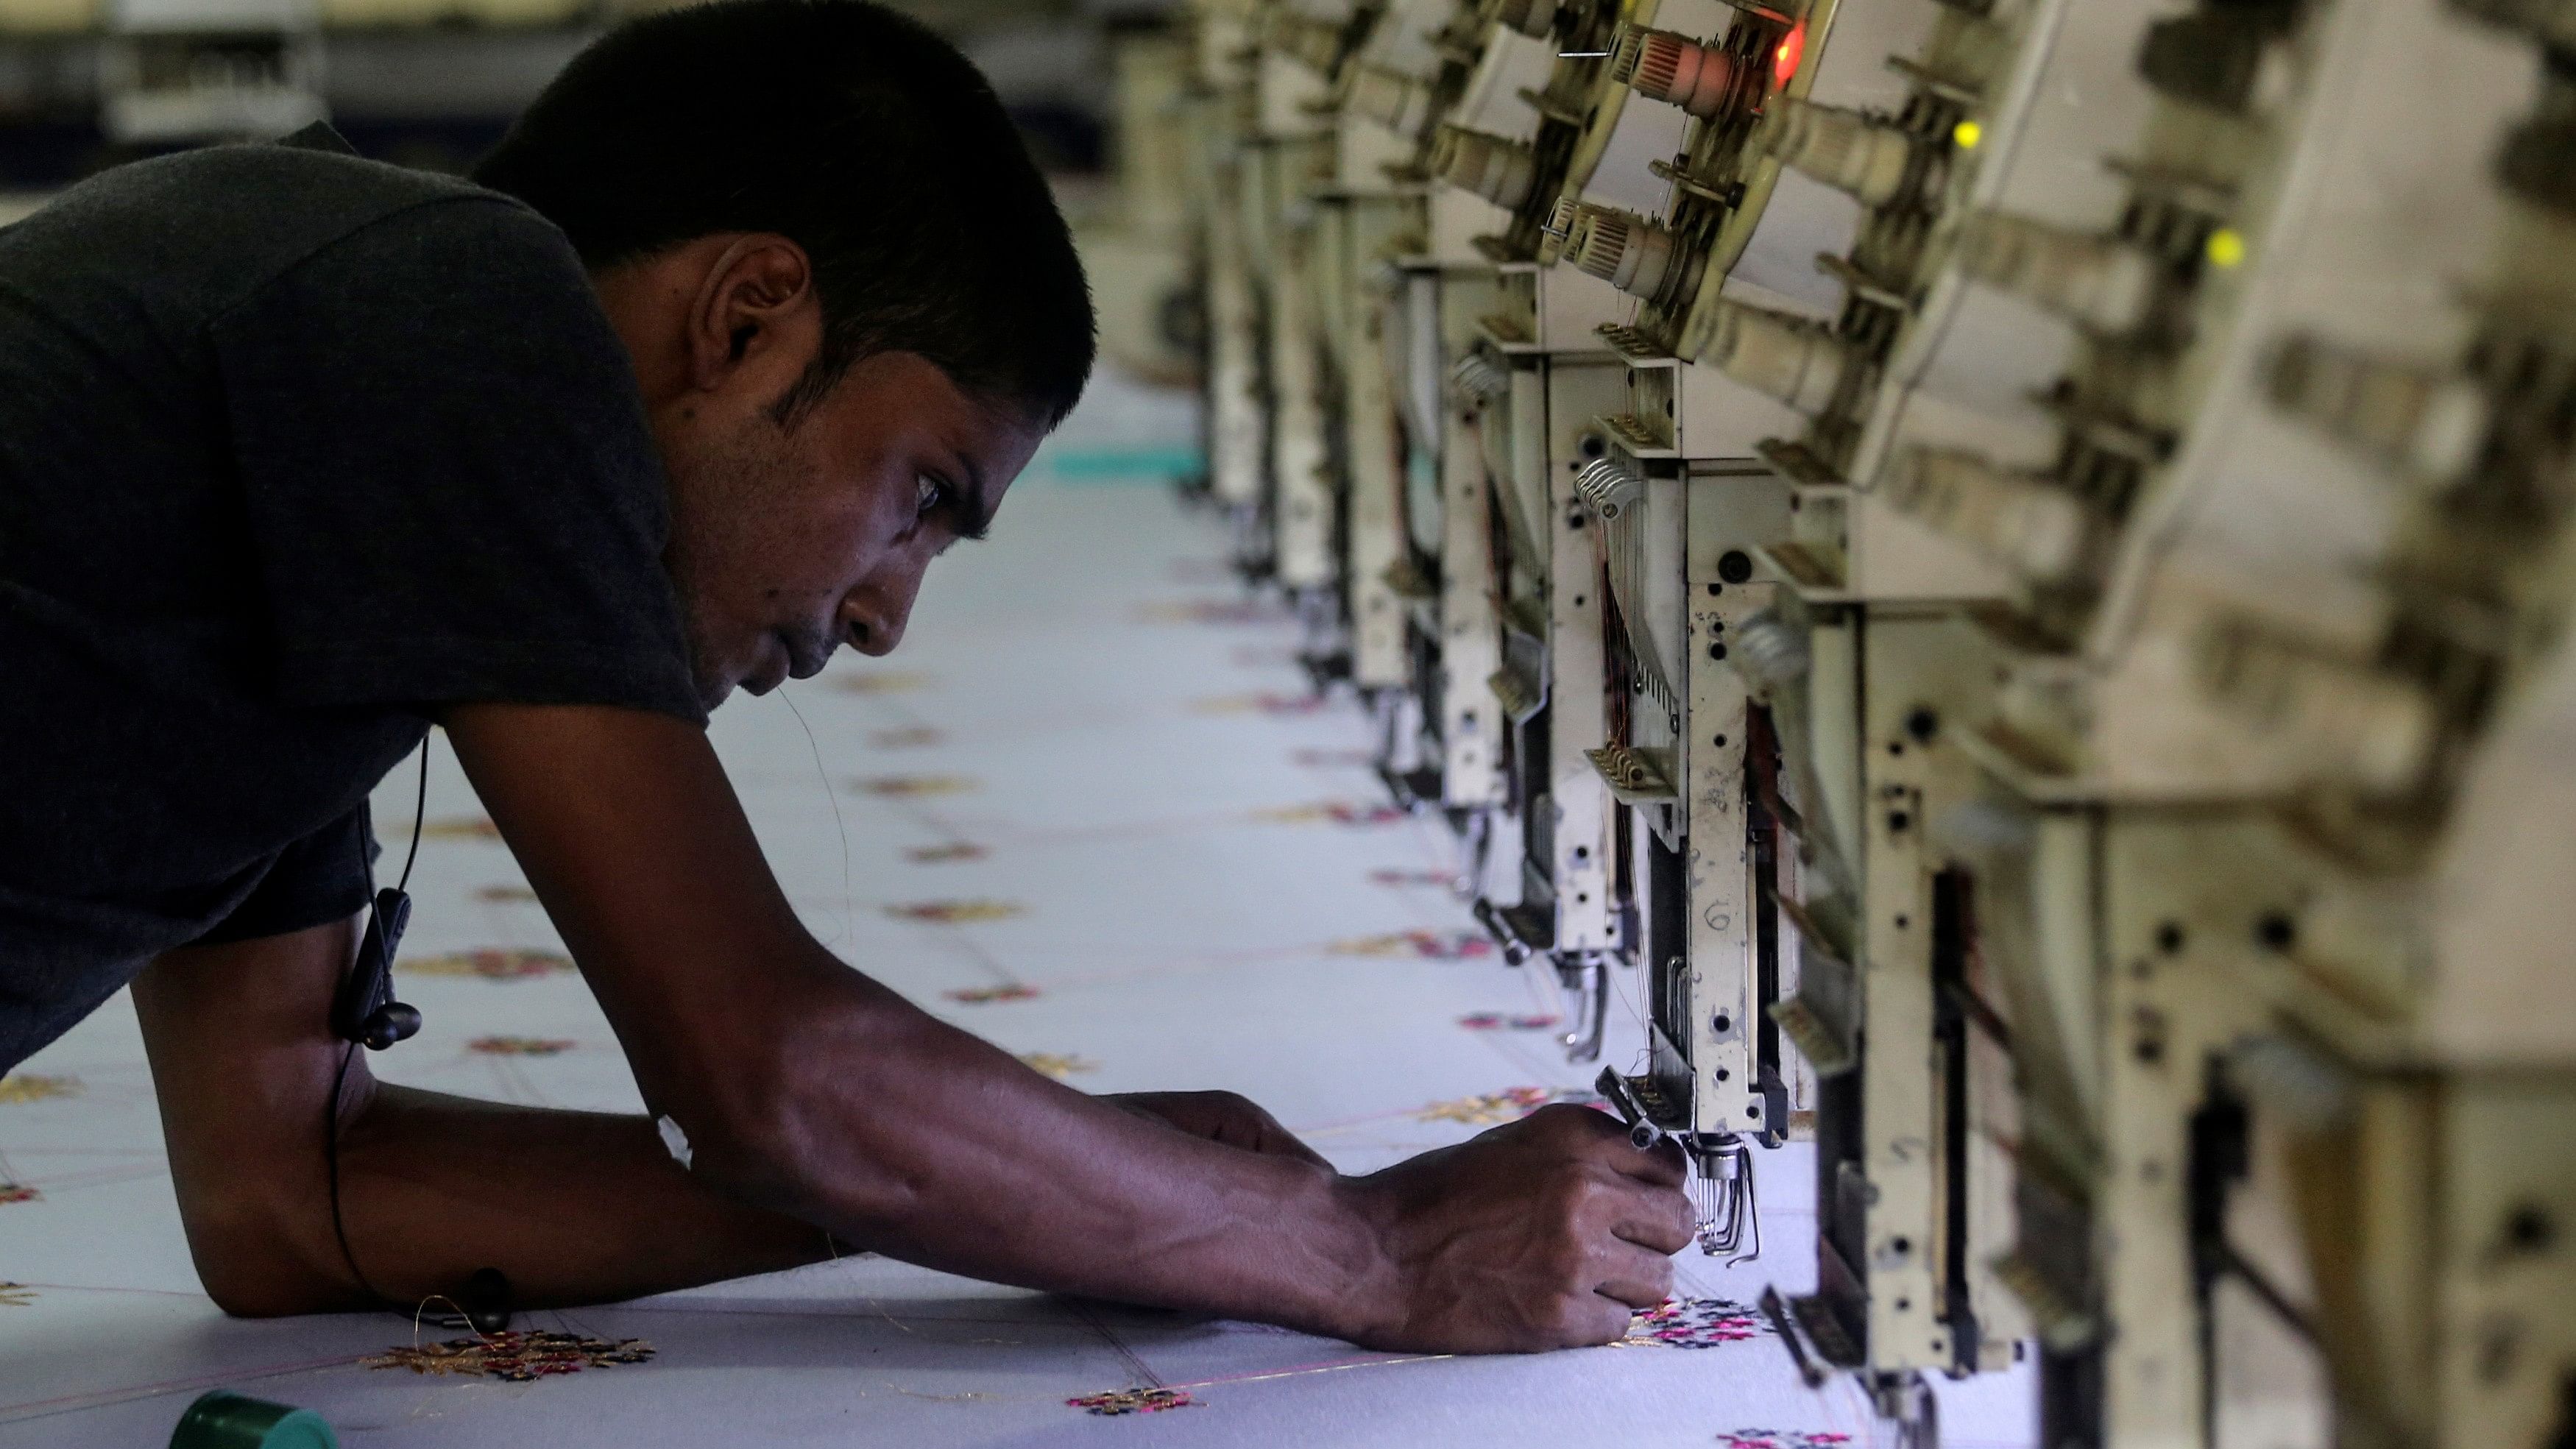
(1422, 945)
(1134, 1401)
(986, 995)
(1692, 1323)
(491, 965)
(956, 913)
(953, 851)
(1444, 880)
(520, 1046)
(515, 1356)
(916, 787)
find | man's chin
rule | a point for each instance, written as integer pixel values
(712, 692)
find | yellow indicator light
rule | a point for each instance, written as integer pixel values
(2226, 247)
(1966, 135)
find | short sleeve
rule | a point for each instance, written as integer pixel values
(452, 492)
(322, 878)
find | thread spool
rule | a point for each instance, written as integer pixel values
(1845, 149)
(223, 1419)
(1629, 252)
(1667, 67)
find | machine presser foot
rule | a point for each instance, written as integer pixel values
(1730, 1221)
(1905, 1400)
(1585, 979)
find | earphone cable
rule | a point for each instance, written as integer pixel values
(340, 1079)
(419, 808)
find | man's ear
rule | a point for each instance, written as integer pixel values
(756, 319)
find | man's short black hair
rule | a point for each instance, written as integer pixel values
(848, 128)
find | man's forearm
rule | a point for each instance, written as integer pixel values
(918, 1140)
(574, 1207)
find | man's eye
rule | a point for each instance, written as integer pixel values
(933, 495)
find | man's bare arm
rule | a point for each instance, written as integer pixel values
(810, 1090)
(575, 1207)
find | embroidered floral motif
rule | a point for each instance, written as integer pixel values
(1332, 759)
(1336, 812)
(1485, 1109)
(505, 895)
(1496, 1021)
(516, 1356)
(1265, 703)
(1423, 945)
(24, 1087)
(18, 1192)
(1780, 1439)
(1058, 1067)
(1693, 1323)
(986, 995)
(956, 913)
(1134, 1401)
(520, 1046)
(16, 1295)
(1209, 611)
(918, 787)
(955, 850)
(880, 682)
(910, 737)
(495, 965)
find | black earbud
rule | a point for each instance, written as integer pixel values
(365, 1011)
(487, 1301)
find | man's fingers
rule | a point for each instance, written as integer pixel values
(1594, 1318)
(1280, 1142)
(1634, 1276)
(1599, 1137)
(1663, 1222)
(1661, 1165)
(1265, 1134)
(1633, 1294)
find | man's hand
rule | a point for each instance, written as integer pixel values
(1542, 1234)
(1225, 1117)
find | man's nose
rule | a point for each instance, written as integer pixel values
(873, 621)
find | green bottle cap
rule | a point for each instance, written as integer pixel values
(226, 1420)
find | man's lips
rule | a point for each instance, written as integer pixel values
(783, 660)
(772, 668)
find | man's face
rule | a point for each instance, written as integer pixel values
(791, 539)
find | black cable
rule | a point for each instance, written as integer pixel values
(419, 808)
(340, 1079)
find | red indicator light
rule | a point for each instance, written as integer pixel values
(1784, 60)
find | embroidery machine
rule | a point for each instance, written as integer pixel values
(2005, 564)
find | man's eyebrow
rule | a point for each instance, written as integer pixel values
(974, 508)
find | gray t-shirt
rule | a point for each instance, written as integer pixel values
(294, 449)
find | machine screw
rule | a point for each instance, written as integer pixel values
(2276, 931)
(2529, 1230)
